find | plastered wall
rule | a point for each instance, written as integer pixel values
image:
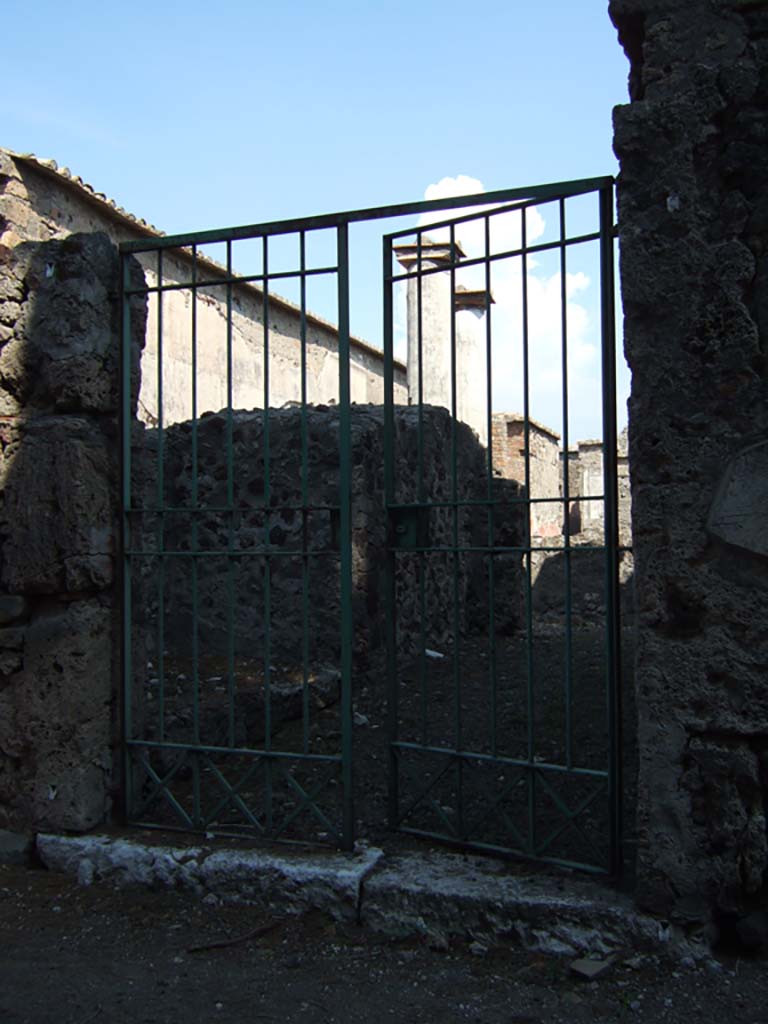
(39, 202)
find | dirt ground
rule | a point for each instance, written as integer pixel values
(75, 955)
(488, 804)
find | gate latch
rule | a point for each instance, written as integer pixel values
(408, 527)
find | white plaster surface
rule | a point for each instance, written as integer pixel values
(472, 370)
(37, 204)
(738, 511)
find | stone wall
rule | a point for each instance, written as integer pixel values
(623, 489)
(39, 202)
(59, 639)
(693, 223)
(271, 542)
(587, 469)
(544, 467)
(586, 477)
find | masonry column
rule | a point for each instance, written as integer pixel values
(430, 307)
(693, 226)
(472, 358)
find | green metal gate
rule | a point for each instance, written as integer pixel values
(239, 611)
(503, 719)
(221, 546)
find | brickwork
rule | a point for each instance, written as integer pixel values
(509, 460)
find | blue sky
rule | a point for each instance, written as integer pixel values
(198, 115)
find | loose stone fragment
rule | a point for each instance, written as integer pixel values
(590, 969)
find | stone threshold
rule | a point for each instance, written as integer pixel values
(436, 896)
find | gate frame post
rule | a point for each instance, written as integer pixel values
(611, 529)
(345, 539)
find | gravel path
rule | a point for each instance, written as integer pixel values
(75, 955)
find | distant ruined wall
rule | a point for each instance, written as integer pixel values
(693, 224)
(585, 478)
(269, 540)
(624, 492)
(544, 467)
(59, 486)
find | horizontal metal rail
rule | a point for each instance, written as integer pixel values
(254, 752)
(225, 279)
(534, 193)
(464, 263)
(459, 503)
(512, 762)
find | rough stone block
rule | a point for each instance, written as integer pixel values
(9, 406)
(590, 969)
(69, 356)
(58, 480)
(56, 718)
(65, 355)
(9, 312)
(11, 288)
(724, 783)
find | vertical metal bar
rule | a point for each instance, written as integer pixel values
(126, 417)
(457, 711)
(345, 566)
(566, 499)
(529, 661)
(611, 530)
(390, 606)
(265, 441)
(195, 542)
(304, 500)
(421, 494)
(420, 350)
(160, 508)
(491, 518)
(230, 516)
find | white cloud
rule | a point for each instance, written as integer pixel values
(543, 282)
(505, 231)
